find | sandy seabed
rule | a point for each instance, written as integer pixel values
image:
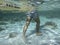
(12, 35)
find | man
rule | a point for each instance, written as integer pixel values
(33, 15)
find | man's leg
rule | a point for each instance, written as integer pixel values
(26, 25)
(37, 20)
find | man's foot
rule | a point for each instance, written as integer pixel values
(38, 33)
(24, 37)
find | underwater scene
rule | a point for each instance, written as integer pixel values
(14, 20)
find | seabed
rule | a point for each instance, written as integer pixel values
(12, 35)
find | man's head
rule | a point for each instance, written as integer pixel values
(35, 2)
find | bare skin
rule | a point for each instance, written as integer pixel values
(37, 20)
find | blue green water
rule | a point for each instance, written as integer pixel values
(11, 26)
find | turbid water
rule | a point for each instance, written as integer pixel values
(12, 33)
(11, 26)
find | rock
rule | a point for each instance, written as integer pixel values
(57, 40)
(51, 24)
(1, 29)
(3, 23)
(13, 34)
(45, 44)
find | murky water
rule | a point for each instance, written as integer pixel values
(12, 23)
(12, 33)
